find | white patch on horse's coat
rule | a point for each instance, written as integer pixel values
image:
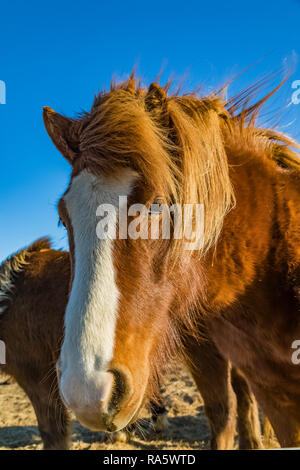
(92, 308)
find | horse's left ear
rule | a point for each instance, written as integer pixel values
(62, 132)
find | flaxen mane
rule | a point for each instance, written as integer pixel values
(182, 140)
(12, 266)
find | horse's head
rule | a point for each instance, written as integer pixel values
(128, 279)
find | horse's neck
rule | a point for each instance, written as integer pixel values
(246, 239)
(259, 239)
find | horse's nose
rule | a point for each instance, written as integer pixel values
(88, 398)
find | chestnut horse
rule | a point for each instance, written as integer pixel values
(34, 285)
(136, 300)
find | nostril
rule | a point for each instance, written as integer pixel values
(118, 390)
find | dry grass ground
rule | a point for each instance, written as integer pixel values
(188, 428)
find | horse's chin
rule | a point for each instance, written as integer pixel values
(107, 424)
(120, 421)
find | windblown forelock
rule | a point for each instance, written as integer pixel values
(119, 132)
(177, 144)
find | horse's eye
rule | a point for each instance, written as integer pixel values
(156, 206)
(155, 209)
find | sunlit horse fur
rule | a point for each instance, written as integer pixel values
(135, 302)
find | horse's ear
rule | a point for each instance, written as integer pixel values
(62, 133)
(156, 97)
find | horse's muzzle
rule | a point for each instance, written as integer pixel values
(90, 399)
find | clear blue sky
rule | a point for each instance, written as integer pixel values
(60, 53)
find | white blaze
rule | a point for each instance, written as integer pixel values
(92, 308)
